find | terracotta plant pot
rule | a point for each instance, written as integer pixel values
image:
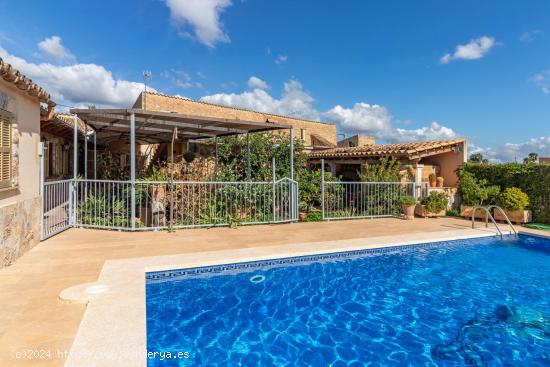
(516, 216)
(466, 212)
(157, 192)
(302, 216)
(440, 180)
(408, 211)
(421, 211)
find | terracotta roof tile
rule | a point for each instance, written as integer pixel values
(14, 76)
(401, 149)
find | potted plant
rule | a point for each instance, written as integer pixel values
(408, 204)
(433, 205)
(432, 179)
(475, 192)
(514, 201)
(440, 181)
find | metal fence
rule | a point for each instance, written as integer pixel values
(150, 205)
(346, 200)
(56, 207)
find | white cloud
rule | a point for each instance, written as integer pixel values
(361, 118)
(53, 48)
(78, 84)
(473, 50)
(542, 81)
(510, 152)
(281, 59)
(181, 79)
(294, 101)
(203, 16)
(530, 36)
(257, 83)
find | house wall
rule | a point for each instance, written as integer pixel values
(448, 164)
(357, 141)
(20, 204)
(156, 102)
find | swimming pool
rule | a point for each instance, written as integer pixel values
(480, 302)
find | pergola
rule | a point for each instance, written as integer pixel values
(151, 127)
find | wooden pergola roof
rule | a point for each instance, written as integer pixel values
(412, 150)
(158, 127)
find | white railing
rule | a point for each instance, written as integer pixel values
(182, 204)
(346, 200)
(56, 207)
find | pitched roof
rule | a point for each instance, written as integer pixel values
(61, 124)
(409, 150)
(188, 100)
(320, 142)
(14, 76)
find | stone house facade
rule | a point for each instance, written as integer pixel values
(315, 134)
(20, 100)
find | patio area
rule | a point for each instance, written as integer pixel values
(33, 318)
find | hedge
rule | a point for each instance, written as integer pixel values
(533, 179)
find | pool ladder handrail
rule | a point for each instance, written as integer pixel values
(489, 215)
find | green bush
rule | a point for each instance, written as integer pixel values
(533, 179)
(476, 191)
(407, 200)
(314, 217)
(512, 199)
(452, 213)
(435, 202)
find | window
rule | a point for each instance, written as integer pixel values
(5, 149)
(303, 134)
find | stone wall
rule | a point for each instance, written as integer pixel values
(19, 229)
(157, 102)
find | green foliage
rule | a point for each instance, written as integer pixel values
(97, 210)
(478, 158)
(539, 226)
(476, 191)
(435, 202)
(533, 179)
(407, 200)
(309, 185)
(452, 213)
(512, 199)
(314, 217)
(385, 170)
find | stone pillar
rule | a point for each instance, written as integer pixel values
(332, 167)
(418, 180)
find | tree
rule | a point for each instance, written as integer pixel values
(531, 158)
(478, 158)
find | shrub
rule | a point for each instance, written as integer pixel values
(384, 170)
(407, 200)
(475, 191)
(512, 199)
(452, 213)
(313, 217)
(435, 202)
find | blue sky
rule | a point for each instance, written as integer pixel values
(399, 70)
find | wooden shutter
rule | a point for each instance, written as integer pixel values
(6, 119)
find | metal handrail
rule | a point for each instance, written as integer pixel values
(505, 217)
(488, 215)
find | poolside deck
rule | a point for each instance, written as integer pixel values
(33, 318)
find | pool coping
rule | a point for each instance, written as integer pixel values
(113, 328)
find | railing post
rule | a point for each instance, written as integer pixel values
(322, 188)
(72, 208)
(133, 168)
(273, 178)
(42, 147)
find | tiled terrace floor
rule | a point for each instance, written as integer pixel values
(32, 318)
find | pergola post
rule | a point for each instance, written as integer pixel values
(291, 153)
(216, 154)
(133, 168)
(248, 167)
(85, 151)
(95, 155)
(72, 200)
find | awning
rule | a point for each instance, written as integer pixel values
(158, 127)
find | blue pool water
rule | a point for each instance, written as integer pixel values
(480, 302)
